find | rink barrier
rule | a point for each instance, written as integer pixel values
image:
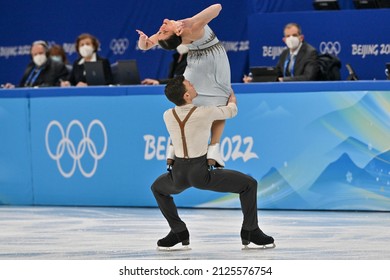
(321, 146)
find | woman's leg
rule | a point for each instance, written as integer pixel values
(214, 157)
(216, 131)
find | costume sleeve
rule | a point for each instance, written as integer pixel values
(224, 112)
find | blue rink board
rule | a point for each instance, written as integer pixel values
(319, 146)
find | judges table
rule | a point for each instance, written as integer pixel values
(310, 145)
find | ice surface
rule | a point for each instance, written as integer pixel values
(80, 233)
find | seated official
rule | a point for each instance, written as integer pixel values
(57, 53)
(299, 62)
(87, 46)
(41, 71)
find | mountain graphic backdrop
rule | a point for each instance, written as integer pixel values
(359, 152)
(341, 163)
(343, 185)
(273, 192)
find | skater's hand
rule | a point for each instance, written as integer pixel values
(144, 42)
(179, 27)
(232, 98)
(184, 24)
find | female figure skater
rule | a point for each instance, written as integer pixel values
(207, 68)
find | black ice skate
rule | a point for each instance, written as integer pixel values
(172, 239)
(257, 237)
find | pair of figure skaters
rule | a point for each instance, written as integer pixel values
(204, 99)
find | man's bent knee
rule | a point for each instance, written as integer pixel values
(252, 182)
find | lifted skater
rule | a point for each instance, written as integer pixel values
(207, 68)
(189, 129)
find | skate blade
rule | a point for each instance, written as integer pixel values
(259, 247)
(174, 249)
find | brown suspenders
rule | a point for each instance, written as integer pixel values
(182, 124)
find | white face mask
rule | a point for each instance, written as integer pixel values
(56, 58)
(182, 49)
(292, 42)
(86, 51)
(39, 59)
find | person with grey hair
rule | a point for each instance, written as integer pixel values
(41, 71)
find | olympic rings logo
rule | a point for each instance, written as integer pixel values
(330, 47)
(76, 151)
(119, 46)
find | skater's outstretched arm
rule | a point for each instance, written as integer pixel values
(168, 27)
(196, 23)
(145, 42)
(189, 29)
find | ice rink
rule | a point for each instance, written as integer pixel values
(101, 233)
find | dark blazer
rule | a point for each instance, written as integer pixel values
(78, 72)
(306, 67)
(176, 67)
(50, 74)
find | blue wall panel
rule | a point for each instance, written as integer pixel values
(316, 146)
(15, 155)
(102, 163)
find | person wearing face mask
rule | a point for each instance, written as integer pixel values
(176, 67)
(41, 71)
(87, 46)
(298, 62)
(57, 53)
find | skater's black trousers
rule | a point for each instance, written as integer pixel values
(194, 173)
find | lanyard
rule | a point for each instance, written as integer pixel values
(32, 77)
(286, 65)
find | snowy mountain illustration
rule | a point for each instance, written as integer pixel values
(344, 171)
(275, 192)
(338, 163)
(343, 185)
(359, 152)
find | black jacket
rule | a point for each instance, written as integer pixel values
(48, 75)
(306, 66)
(176, 67)
(78, 72)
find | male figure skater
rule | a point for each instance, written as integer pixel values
(207, 65)
(189, 129)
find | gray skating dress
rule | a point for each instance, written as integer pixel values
(208, 70)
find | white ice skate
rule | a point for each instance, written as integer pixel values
(214, 156)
